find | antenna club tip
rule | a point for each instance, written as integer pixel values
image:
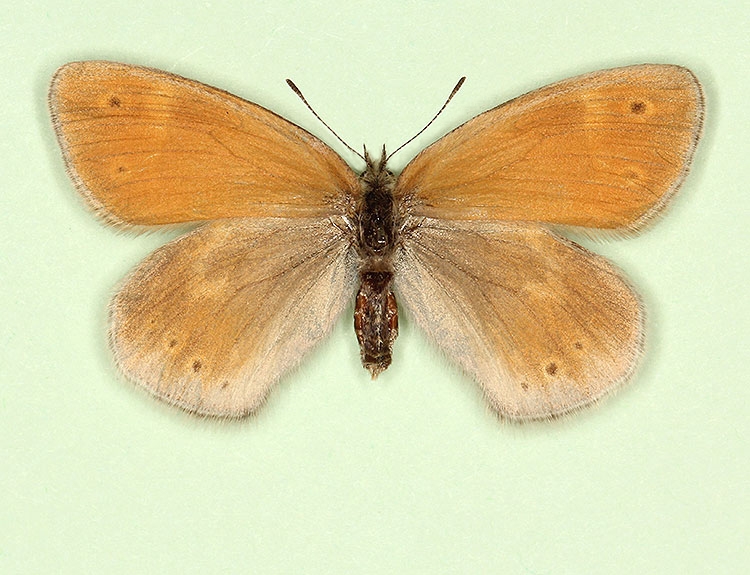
(293, 86)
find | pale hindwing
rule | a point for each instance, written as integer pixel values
(604, 150)
(542, 324)
(210, 321)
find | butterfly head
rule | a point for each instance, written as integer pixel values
(376, 174)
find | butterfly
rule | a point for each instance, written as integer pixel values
(466, 238)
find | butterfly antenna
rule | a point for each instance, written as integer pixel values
(297, 91)
(415, 136)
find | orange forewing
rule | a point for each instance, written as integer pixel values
(146, 147)
(604, 150)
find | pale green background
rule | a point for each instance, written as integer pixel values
(411, 474)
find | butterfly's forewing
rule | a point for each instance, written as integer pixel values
(603, 150)
(542, 324)
(210, 321)
(146, 147)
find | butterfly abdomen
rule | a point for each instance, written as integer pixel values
(376, 320)
(376, 311)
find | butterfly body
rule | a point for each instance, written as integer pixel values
(468, 236)
(378, 225)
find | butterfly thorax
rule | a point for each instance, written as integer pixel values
(375, 311)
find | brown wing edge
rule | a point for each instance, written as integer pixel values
(84, 192)
(658, 209)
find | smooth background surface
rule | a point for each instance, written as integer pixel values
(411, 474)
